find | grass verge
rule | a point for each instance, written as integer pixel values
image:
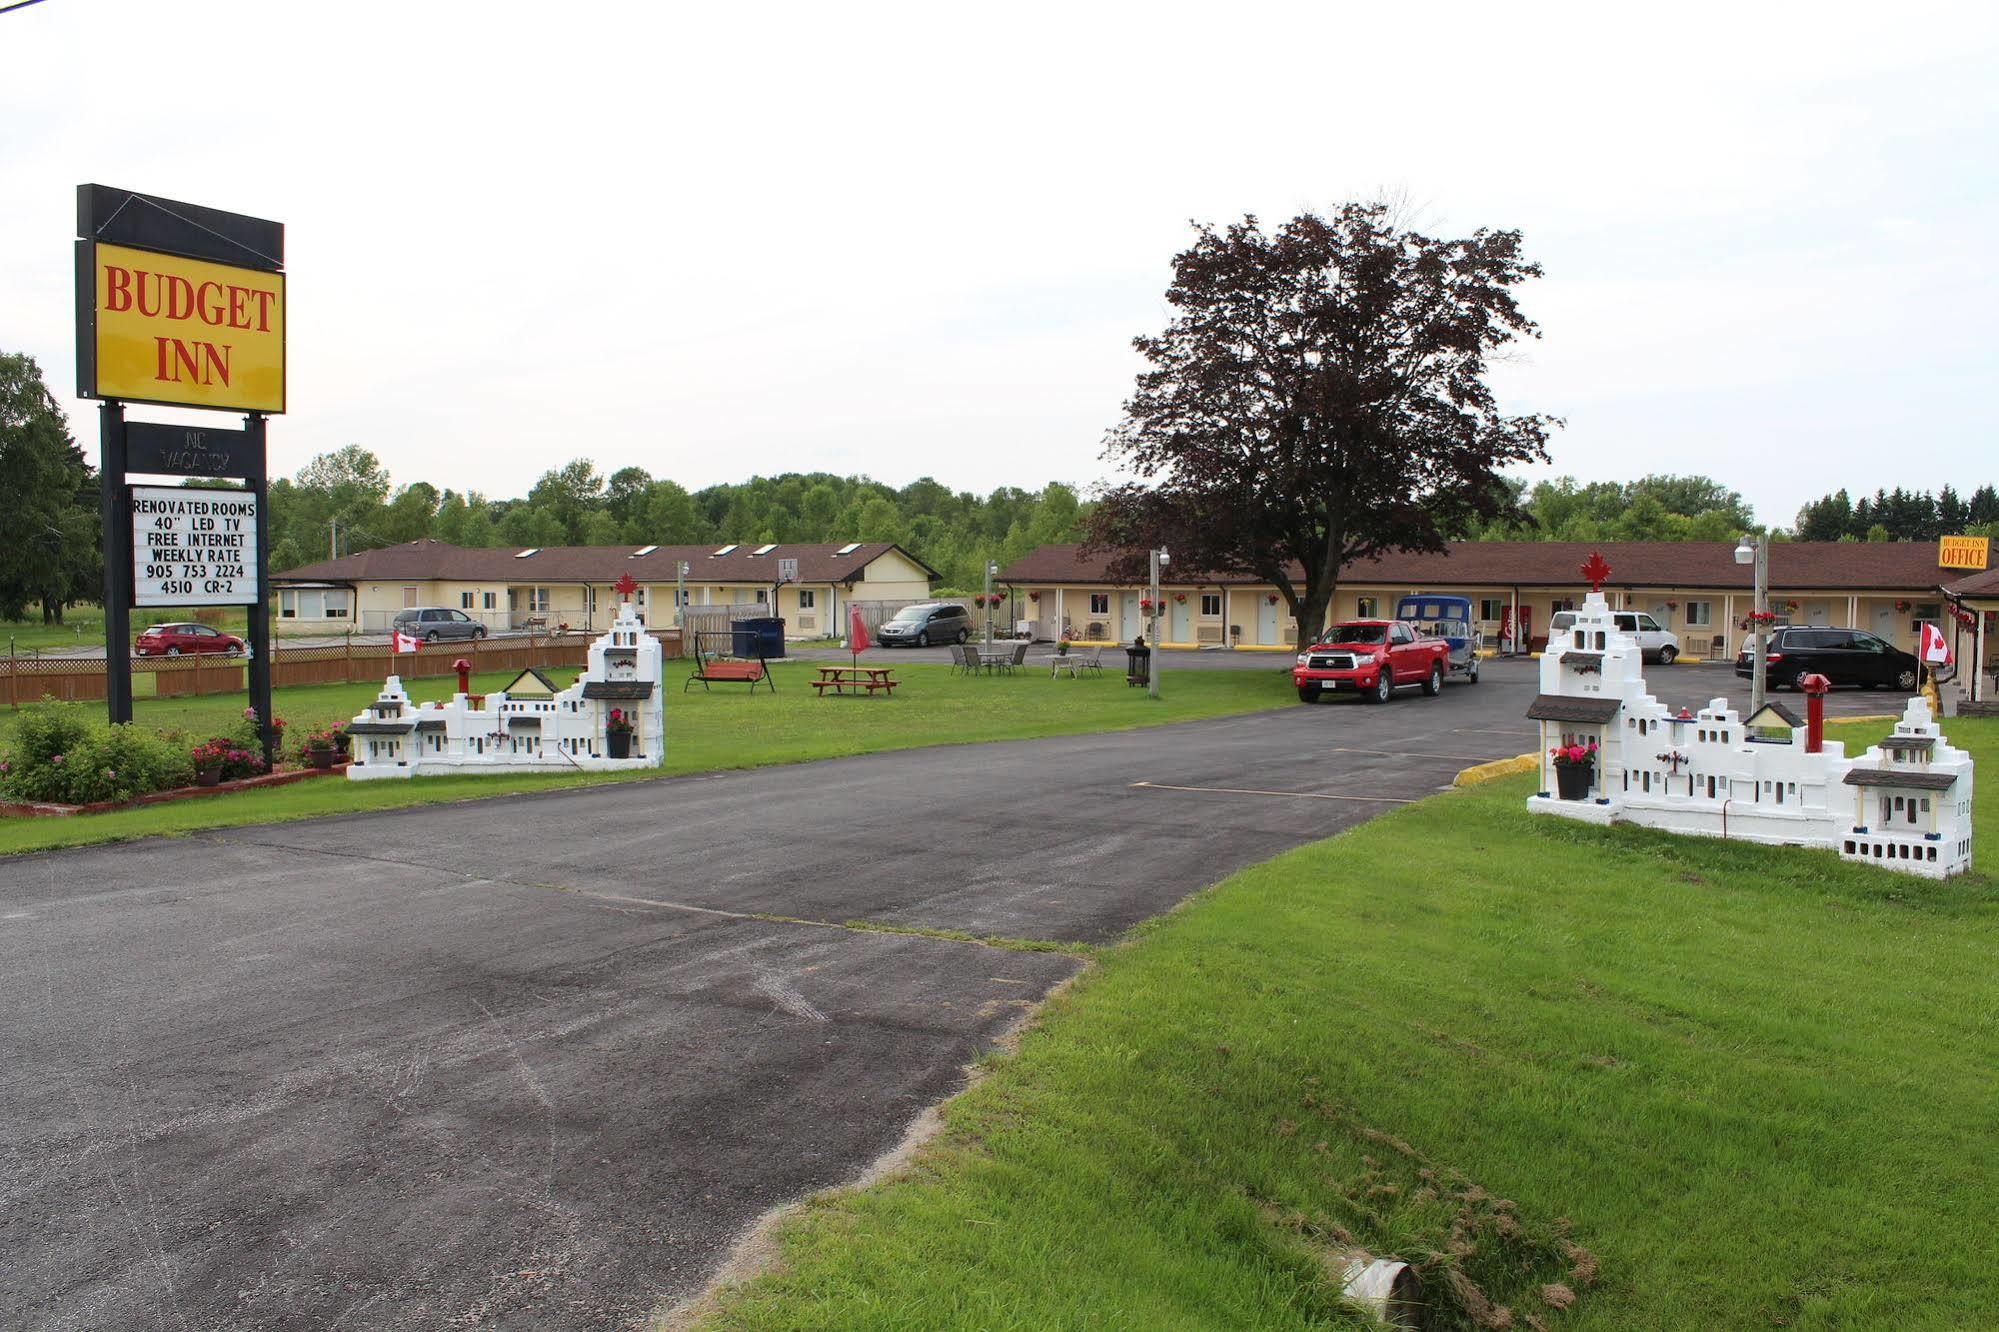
(1586, 1079)
(705, 731)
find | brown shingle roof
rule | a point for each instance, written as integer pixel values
(1978, 585)
(1891, 566)
(414, 561)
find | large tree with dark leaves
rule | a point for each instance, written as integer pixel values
(48, 501)
(1320, 397)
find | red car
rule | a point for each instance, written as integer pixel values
(1372, 658)
(173, 640)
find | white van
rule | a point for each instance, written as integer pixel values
(1655, 641)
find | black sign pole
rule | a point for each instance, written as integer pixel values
(117, 546)
(260, 609)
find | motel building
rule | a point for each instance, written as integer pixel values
(1694, 589)
(1977, 639)
(557, 587)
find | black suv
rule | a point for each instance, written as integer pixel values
(932, 622)
(1843, 656)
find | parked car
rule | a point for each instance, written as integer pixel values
(931, 622)
(173, 640)
(1655, 641)
(1843, 656)
(1372, 658)
(431, 623)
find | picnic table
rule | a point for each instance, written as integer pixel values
(856, 679)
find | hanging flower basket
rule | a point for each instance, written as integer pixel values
(1034, 596)
(1273, 598)
(1180, 598)
(1672, 605)
(1145, 605)
(1901, 605)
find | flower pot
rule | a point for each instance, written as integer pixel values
(319, 758)
(1572, 780)
(1061, 649)
(210, 776)
(618, 744)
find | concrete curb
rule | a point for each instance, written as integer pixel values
(1485, 772)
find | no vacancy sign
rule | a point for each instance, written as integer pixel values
(193, 547)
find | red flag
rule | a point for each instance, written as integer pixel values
(857, 631)
(404, 642)
(1935, 649)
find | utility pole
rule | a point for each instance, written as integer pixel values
(1756, 550)
(991, 569)
(679, 593)
(1160, 559)
(333, 539)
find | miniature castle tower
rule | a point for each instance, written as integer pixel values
(616, 704)
(1904, 804)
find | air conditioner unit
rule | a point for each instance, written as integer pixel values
(1207, 633)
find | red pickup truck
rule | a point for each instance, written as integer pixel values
(1373, 658)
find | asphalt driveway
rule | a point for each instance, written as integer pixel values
(538, 1061)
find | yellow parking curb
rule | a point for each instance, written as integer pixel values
(1485, 772)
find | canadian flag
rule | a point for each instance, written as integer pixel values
(1934, 648)
(405, 642)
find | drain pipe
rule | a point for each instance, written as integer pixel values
(1383, 1288)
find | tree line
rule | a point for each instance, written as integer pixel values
(1900, 515)
(344, 501)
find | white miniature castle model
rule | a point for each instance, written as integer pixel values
(1905, 804)
(563, 733)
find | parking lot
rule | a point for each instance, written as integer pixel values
(541, 1060)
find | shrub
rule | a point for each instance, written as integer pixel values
(60, 754)
(234, 755)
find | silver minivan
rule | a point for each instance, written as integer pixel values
(1655, 640)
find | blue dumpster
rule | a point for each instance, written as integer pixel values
(760, 637)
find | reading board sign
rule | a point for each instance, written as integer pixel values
(193, 547)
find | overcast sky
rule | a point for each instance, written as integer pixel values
(721, 240)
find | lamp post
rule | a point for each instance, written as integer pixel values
(679, 591)
(1755, 550)
(991, 569)
(1160, 559)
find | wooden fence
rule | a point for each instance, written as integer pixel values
(31, 679)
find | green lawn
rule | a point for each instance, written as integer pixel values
(83, 626)
(724, 728)
(1698, 1084)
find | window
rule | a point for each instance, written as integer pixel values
(337, 603)
(1100, 603)
(1368, 608)
(538, 601)
(409, 598)
(487, 601)
(807, 598)
(1647, 623)
(1700, 614)
(465, 600)
(1211, 605)
(1399, 633)
(287, 604)
(762, 596)
(1491, 608)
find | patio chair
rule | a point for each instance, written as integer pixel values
(1018, 659)
(968, 658)
(1093, 660)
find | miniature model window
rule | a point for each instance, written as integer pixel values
(1368, 608)
(807, 598)
(465, 599)
(1100, 603)
(1700, 614)
(1211, 604)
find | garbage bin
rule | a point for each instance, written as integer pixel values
(759, 637)
(1137, 662)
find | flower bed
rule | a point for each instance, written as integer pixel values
(53, 809)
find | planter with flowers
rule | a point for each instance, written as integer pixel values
(1179, 598)
(1146, 605)
(322, 749)
(618, 734)
(224, 759)
(1575, 768)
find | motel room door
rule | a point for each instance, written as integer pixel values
(1178, 630)
(1266, 620)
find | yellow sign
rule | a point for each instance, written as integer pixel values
(1963, 552)
(187, 331)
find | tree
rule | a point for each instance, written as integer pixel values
(570, 494)
(48, 504)
(1320, 397)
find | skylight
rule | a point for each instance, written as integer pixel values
(724, 550)
(765, 550)
(849, 548)
(642, 550)
(523, 554)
